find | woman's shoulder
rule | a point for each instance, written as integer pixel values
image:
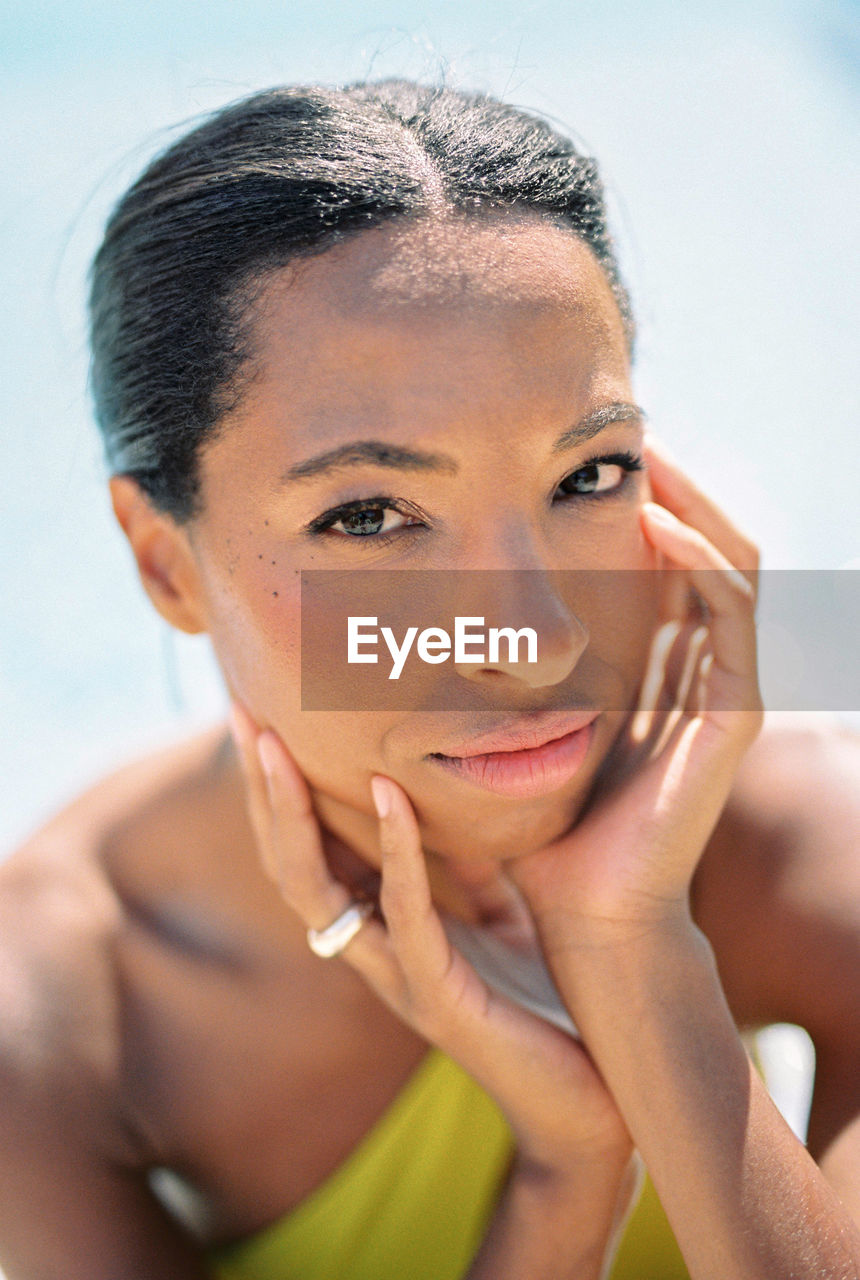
(129, 793)
(804, 750)
(116, 801)
(68, 899)
(66, 881)
(795, 802)
(778, 888)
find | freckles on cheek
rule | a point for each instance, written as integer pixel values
(278, 620)
(256, 629)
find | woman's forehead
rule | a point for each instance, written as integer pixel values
(356, 332)
(432, 323)
(501, 261)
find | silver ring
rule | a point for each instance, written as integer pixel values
(331, 941)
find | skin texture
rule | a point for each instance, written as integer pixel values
(161, 1002)
(350, 348)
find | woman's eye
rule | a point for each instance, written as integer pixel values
(601, 475)
(365, 521)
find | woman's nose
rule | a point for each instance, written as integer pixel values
(529, 633)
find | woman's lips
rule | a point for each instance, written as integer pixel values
(522, 732)
(530, 770)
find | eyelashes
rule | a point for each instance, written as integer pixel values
(626, 462)
(369, 515)
(364, 507)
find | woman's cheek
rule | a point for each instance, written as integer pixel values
(620, 543)
(624, 597)
(257, 640)
(256, 635)
(625, 546)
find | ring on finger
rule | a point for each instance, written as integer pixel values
(332, 940)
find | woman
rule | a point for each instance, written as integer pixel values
(383, 328)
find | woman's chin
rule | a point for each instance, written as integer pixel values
(502, 836)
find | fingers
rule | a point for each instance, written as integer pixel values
(513, 1054)
(726, 680)
(270, 797)
(677, 493)
(417, 936)
(294, 836)
(444, 998)
(245, 733)
(286, 828)
(670, 668)
(532, 1068)
(729, 595)
(413, 944)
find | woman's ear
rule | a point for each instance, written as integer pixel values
(164, 556)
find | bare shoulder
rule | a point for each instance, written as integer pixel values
(75, 1198)
(778, 889)
(61, 921)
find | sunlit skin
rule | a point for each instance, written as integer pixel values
(165, 1010)
(368, 342)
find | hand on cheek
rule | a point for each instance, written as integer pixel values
(565, 1120)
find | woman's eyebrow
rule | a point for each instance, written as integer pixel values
(595, 422)
(361, 452)
(377, 453)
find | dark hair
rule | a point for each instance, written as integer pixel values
(287, 172)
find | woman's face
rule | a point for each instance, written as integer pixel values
(433, 396)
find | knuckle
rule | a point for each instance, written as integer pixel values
(425, 1011)
(294, 882)
(756, 717)
(287, 885)
(744, 724)
(388, 840)
(392, 902)
(741, 585)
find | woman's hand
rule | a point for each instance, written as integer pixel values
(611, 905)
(626, 866)
(562, 1115)
(573, 1179)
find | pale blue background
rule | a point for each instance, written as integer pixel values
(725, 133)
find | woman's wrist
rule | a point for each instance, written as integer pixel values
(583, 927)
(566, 1151)
(558, 1224)
(741, 1193)
(593, 1175)
(600, 965)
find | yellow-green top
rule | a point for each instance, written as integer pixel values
(415, 1196)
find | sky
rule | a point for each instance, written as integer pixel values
(725, 135)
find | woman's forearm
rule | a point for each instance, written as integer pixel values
(743, 1195)
(555, 1227)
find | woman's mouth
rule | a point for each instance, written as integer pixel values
(546, 760)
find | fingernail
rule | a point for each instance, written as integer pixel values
(267, 750)
(659, 514)
(653, 442)
(381, 793)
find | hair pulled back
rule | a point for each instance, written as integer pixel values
(287, 172)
